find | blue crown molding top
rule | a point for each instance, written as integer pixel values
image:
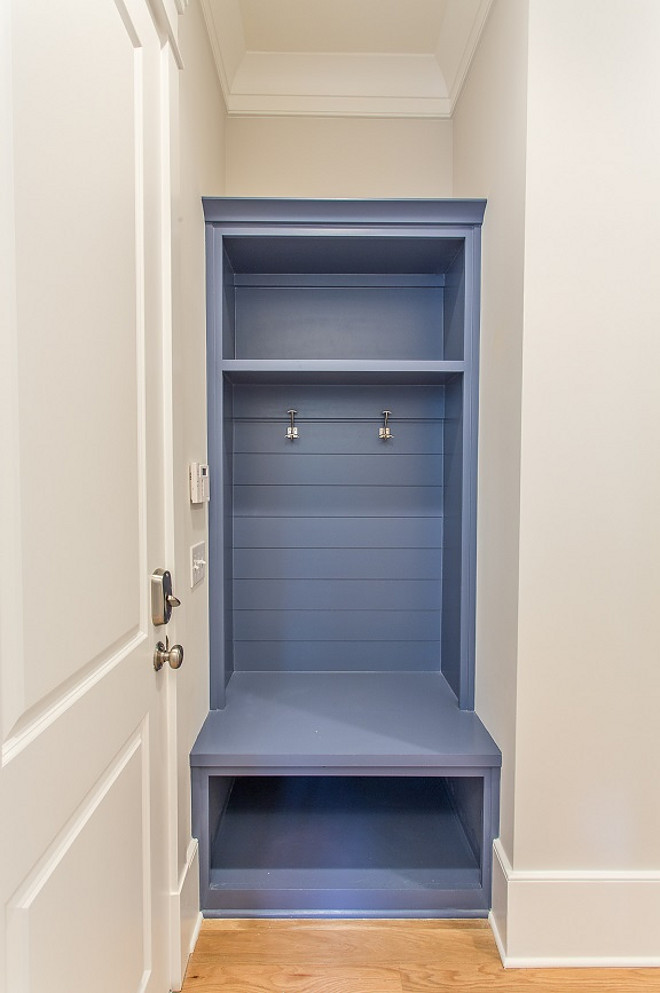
(247, 210)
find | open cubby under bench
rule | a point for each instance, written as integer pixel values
(342, 770)
(354, 793)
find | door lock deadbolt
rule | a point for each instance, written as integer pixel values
(162, 598)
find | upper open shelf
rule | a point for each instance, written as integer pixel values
(356, 371)
(362, 298)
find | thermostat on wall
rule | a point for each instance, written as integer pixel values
(198, 474)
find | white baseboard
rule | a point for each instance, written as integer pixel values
(498, 937)
(575, 918)
(195, 934)
(185, 917)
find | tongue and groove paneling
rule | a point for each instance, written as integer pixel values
(337, 535)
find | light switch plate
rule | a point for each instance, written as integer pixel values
(197, 563)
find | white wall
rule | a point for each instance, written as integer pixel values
(588, 677)
(490, 127)
(555, 126)
(338, 157)
(199, 148)
(571, 695)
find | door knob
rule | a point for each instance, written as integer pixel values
(162, 597)
(164, 653)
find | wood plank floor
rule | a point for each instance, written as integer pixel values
(305, 956)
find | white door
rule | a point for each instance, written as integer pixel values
(85, 825)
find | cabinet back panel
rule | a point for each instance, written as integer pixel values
(302, 469)
(336, 625)
(332, 322)
(338, 535)
(324, 402)
(336, 563)
(330, 594)
(336, 501)
(347, 532)
(335, 436)
(330, 656)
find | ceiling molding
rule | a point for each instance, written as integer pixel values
(473, 15)
(343, 84)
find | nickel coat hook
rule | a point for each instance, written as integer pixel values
(292, 430)
(385, 433)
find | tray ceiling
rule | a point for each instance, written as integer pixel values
(364, 58)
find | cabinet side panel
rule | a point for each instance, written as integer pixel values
(454, 308)
(220, 334)
(228, 298)
(228, 529)
(452, 552)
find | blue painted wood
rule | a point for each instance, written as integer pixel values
(336, 563)
(285, 720)
(328, 437)
(324, 322)
(454, 308)
(452, 553)
(342, 569)
(302, 468)
(336, 501)
(401, 826)
(219, 463)
(333, 594)
(265, 211)
(337, 625)
(379, 840)
(352, 279)
(339, 401)
(226, 295)
(347, 532)
(228, 505)
(470, 447)
(367, 252)
(363, 372)
(336, 656)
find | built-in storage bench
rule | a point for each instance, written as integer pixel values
(342, 769)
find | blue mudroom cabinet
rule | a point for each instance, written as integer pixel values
(342, 770)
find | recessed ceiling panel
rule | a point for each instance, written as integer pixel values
(343, 58)
(381, 26)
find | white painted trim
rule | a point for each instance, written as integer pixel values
(581, 962)
(548, 910)
(497, 936)
(184, 929)
(195, 934)
(165, 16)
(20, 903)
(221, 52)
(32, 886)
(268, 105)
(50, 713)
(478, 25)
(337, 84)
(571, 875)
(12, 688)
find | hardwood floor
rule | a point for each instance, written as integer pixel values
(304, 956)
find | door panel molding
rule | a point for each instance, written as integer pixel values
(89, 821)
(130, 772)
(39, 719)
(23, 716)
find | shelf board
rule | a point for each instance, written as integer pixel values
(340, 370)
(333, 721)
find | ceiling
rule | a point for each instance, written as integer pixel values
(360, 58)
